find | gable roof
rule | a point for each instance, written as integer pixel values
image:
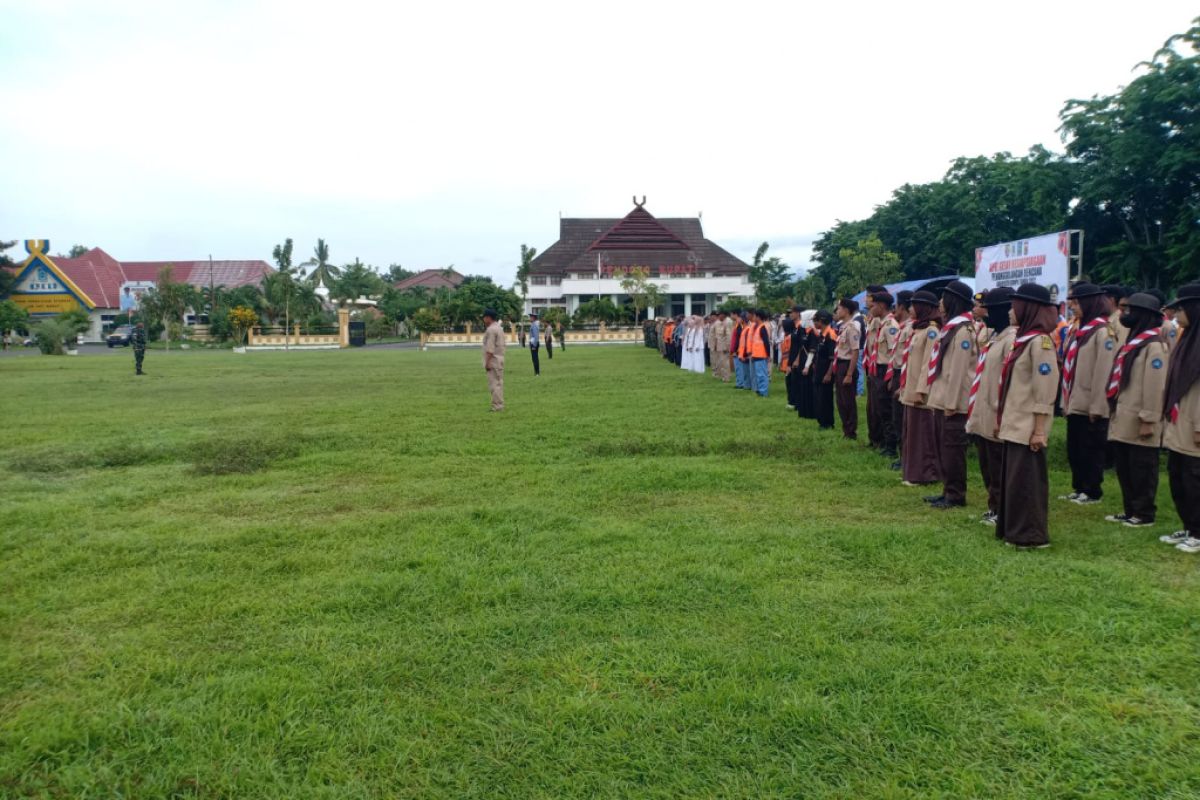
(432, 279)
(38, 258)
(639, 230)
(573, 252)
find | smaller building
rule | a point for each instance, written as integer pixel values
(104, 287)
(432, 279)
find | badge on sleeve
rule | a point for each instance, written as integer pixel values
(894, 331)
(1108, 344)
(1172, 333)
(1047, 344)
(966, 345)
(1044, 368)
(1156, 363)
(932, 334)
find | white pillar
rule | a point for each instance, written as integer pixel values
(687, 304)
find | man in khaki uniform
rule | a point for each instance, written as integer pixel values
(493, 357)
(722, 334)
(950, 371)
(844, 370)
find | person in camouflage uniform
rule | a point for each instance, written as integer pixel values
(138, 340)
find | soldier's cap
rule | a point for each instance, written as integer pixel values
(1033, 293)
(883, 297)
(1146, 302)
(532, 315)
(925, 298)
(904, 297)
(1000, 296)
(959, 290)
(1190, 291)
(981, 298)
(1084, 289)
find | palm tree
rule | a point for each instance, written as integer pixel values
(323, 273)
(527, 254)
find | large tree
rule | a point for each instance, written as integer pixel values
(1139, 153)
(8, 277)
(322, 272)
(771, 277)
(527, 256)
(354, 281)
(866, 263)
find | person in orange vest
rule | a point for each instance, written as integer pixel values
(669, 340)
(741, 363)
(759, 351)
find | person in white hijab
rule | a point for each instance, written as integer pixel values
(693, 344)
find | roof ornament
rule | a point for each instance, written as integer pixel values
(636, 203)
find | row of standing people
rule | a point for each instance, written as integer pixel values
(991, 369)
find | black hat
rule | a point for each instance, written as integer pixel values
(959, 290)
(1187, 292)
(981, 298)
(1084, 289)
(491, 312)
(532, 314)
(1146, 302)
(1033, 293)
(927, 298)
(1000, 296)
(883, 297)
(1116, 291)
(904, 297)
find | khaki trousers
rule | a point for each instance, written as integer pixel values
(495, 378)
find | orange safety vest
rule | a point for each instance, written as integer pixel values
(785, 347)
(758, 348)
(744, 345)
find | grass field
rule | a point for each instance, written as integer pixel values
(336, 575)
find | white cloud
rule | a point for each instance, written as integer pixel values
(438, 133)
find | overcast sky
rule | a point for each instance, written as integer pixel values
(449, 133)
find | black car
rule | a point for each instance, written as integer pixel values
(120, 336)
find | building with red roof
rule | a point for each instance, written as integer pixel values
(105, 287)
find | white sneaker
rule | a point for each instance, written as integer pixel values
(1083, 500)
(1177, 537)
(1189, 545)
(1116, 518)
(1138, 522)
(989, 518)
(1070, 496)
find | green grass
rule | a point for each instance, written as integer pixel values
(336, 575)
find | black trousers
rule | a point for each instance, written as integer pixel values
(822, 399)
(882, 408)
(991, 469)
(1086, 445)
(1137, 473)
(537, 364)
(1024, 497)
(847, 397)
(1184, 474)
(952, 455)
(678, 354)
(897, 414)
(550, 348)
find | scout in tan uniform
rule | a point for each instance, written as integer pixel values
(493, 357)
(722, 331)
(1024, 412)
(920, 464)
(1135, 391)
(1088, 361)
(874, 322)
(985, 392)
(1182, 410)
(892, 375)
(845, 368)
(886, 344)
(949, 374)
(1118, 304)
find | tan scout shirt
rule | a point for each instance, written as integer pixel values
(953, 384)
(1142, 398)
(848, 341)
(873, 326)
(906, 331)
(982, 421)
(493, 345)
(1032, 391)
(915, 390)
(1180, 436)
(1118, 331)
(888, 338)
(1089, 395)
(1171, 334)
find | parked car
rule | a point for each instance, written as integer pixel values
(120, 336)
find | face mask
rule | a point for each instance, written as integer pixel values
(1128, 320)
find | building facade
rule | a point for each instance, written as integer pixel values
(593, 255)
(105, 288)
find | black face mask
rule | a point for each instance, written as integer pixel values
(1129, 320)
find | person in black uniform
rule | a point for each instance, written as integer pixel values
(803, 348)
(824, 353)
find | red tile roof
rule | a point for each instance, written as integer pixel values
(432, 279)
(100, 275)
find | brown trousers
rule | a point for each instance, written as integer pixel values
(1184, 474)
(1137, 474)
(898, 413)
(874, 437)
(921, 463)
(991, 469)
(881, 410)
(1024, 497)
(496, 387)
(847, 397)
(952, 455)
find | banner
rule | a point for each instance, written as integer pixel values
(1044, 260)
(131, 293)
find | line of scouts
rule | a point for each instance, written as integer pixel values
(940, 372)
